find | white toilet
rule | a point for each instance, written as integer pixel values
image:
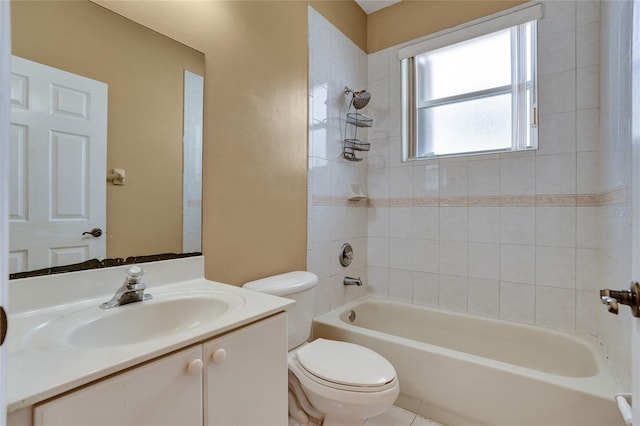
(342, 382)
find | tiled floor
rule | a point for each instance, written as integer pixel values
(396, 416)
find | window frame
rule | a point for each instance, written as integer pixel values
(514, 19)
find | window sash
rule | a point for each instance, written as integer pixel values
(524, 131)
(494, 91)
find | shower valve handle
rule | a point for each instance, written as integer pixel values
(630, 297)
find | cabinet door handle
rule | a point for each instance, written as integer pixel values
(195, 366)
(218, 356)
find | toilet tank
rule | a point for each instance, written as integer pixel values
(299, 286)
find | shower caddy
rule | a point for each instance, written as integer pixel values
(356, 119)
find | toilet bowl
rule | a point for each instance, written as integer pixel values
(348, 383)
(338, 383)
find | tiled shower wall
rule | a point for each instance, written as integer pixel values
(334, 62)
(511, 235)
(615, 178)
(529, 236)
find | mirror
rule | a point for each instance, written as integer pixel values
(158, 209)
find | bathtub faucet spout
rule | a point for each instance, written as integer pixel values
(352, 281)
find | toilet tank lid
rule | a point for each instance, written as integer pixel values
(283, 284)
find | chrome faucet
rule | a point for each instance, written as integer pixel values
(131, 291)
(352, 281)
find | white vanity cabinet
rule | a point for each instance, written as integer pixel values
(238, 378)
(246, 376)
(161, 392)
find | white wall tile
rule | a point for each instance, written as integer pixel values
(400, 222)
(379, 65)
(556, 267)
(558, 16)
(378, 222)
(587, 129)
(484, 177)
(452, 293)
(556, 174)
(558, 92)
(587, 173)
(377, 182)
(378, 281)
(517, 175)
(556, 226)
(425, 289)
(587, 87)
(587, 270)
(557, 52)
(426, 223)
(483, 297)
(454, 223)
(400, 253)
(587, 12)
(588, 44)
(484, 224)
(557, 133)
(587, 227)
(338, 291)
(401, 285)
(453, 258)
(453, 178)
(517, 264)
(484, 261)
(556, 307)
(400, 182)
(425, 180)
(426, 256)
(517, 225)
(587, 305)
(517, 302)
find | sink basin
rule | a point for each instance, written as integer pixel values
(148, 321)
(163, 316)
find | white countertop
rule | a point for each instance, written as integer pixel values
(38, 373)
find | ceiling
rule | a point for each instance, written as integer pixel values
(370, 6)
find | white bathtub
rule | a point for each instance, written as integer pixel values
(464, 370)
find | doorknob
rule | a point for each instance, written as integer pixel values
(95, 232)
(3, 325)
(630, 297)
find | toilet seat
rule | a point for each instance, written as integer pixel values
(345, 366)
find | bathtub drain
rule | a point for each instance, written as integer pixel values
(352, 316)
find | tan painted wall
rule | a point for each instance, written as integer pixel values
(411, 19)
(255, 129)
(255, 133)
(144, 71)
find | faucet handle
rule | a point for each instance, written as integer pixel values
(133, 282)
(631, 298)
(134, 272)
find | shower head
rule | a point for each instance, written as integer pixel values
(360, 99)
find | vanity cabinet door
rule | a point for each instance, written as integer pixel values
(246, 375)
(163, 392)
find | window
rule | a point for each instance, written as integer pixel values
(474, 95)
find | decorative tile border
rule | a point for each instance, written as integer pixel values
(611, 197)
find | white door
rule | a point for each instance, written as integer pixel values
(5, 59)
(58, 152)
(635, 224)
